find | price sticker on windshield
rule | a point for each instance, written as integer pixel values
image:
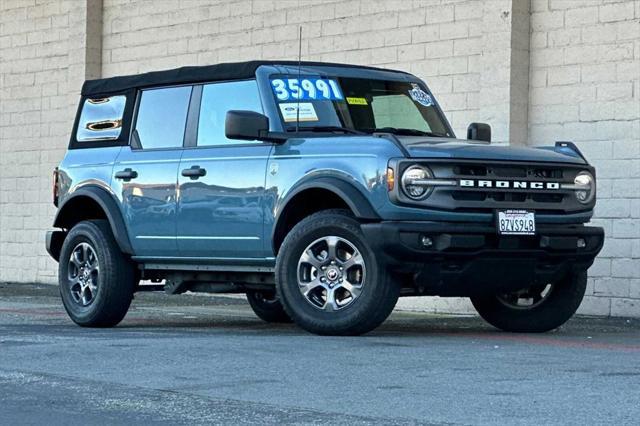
(323, 89)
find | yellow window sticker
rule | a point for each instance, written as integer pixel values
(356, 101)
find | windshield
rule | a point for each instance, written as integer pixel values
(356, 104)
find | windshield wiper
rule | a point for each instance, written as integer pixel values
(327, 129)
(407, 132)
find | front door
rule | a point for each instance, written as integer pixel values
(146, 173)
(221, 181)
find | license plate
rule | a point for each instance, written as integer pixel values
(516, 222)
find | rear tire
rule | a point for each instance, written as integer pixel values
(96, 279)
(267, 306)
(323, 257)
(549, 312)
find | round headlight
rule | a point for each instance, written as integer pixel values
(411, 189)
(585, 187)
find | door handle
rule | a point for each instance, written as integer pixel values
(194, 172)
(126, 174)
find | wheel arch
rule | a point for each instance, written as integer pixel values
(319, 194)
(93, 202)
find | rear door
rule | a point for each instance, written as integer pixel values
(221, 181)
(146, 173)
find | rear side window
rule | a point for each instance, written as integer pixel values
(162, 116)
(217, 99)
(101, 119)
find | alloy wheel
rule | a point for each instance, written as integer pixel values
(331, 273)
(83, 273)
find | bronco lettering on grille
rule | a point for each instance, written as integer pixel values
(506, 184)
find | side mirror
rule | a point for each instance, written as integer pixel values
(479, 132)
(246, 125)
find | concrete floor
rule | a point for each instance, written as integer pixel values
(203, 360)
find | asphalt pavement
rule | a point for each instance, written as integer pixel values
(208, 360)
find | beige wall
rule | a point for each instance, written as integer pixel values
(537, 71)
(585, 87)
(42, 66)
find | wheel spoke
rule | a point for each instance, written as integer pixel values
(76, 287)
(75, 294)
(355, 259)
(73, 271)
(75, 260)
(310, 258)
(85, 253)
(307, 288)
(332, 246)
(92, 261)
(353, 289)
(85, 298)
(331, 304)
(524, 301)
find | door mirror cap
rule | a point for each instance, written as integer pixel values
(246, 125)
(479, 132)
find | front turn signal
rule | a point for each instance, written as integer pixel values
(391, 179)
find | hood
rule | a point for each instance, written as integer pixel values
(421, 147)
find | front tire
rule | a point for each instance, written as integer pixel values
(534, 310)
(328, 278)
(96, 279)
(267, 306)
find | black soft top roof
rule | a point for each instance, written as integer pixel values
(193, 74)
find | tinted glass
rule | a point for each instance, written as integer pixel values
(217, 99)
(397, 111)
(162, 117)
(101, 119)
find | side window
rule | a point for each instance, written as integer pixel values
(217, 99)
(162, 116)
(101, 119)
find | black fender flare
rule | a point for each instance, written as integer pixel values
(347, 191)
(108, 204)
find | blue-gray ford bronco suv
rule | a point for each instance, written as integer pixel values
(322, 191)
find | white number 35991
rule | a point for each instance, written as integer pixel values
(306, 89)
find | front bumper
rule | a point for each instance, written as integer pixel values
(467, 259)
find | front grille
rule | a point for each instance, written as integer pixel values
(497, 172)
(524, 196)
